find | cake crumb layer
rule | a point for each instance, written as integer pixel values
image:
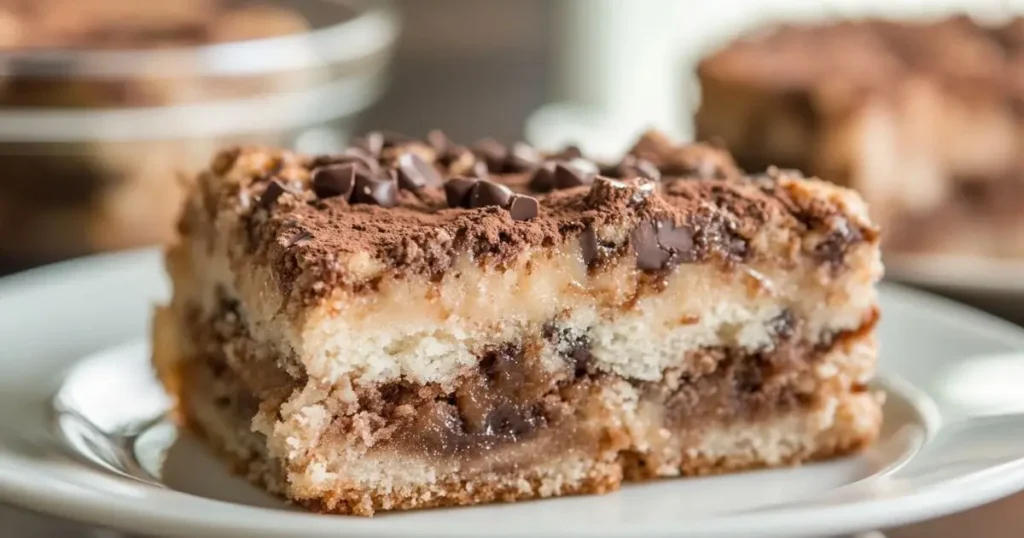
(408, 324)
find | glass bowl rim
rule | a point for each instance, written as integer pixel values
(371, 31)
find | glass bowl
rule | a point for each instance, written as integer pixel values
(95, 143)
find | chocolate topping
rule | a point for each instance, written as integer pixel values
(568, 153)
(376, 191)
(355, 156)
(334, 180)
(522, 158)
(678, 220)
(457, 191)
(487, 193)
(543, 179)
(414, 173)
(632, 166)
(523, 207)
(568, 175)
(662, 245)
(493, 154)
(649, 254)
(589, 246)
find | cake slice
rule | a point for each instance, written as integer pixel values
(411, 324)
(923, 119)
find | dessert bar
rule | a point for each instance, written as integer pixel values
(921, 118)
(410, 324)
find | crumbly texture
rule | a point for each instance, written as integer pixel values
(922, 119)
(409, 324)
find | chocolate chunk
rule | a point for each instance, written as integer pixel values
(589, 246)
(414, 173)
(371, 142)
(832, 249)
(523, 207)
(568, 176)
(632, 166)
(569, 152)
(270, 195)
(356, 156)
(649, 254)
(543, 179)
(457, 190)
(487, 193)
(493, 154)
(661, 245)
(513, 421)
(678, 241)
(522, 158)
(376, 191)
(334, 180)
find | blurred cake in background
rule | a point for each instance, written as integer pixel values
(106, 104)
(924, 119)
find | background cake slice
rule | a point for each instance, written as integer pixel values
(410, 324)
(921, 118)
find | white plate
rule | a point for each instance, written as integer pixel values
(954, 436)
(968, 274)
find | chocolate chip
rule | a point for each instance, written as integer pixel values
(355, 156)
(522, 157)
(334, 180)
(493, 154)
(270, 195)
(543, 179)
(568, 176)
(487, 193)
(661, 244)
(677, 240)
(632, 166)
(649, 254)
(523, 207)
(371, 142)
(589, 245)
(376, 191)
(456, 191)
(414, 173)
(513, 421)
(569, 152)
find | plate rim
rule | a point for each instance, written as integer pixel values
(82, 504)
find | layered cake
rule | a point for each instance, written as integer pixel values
(923, 119)
(409, 324)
